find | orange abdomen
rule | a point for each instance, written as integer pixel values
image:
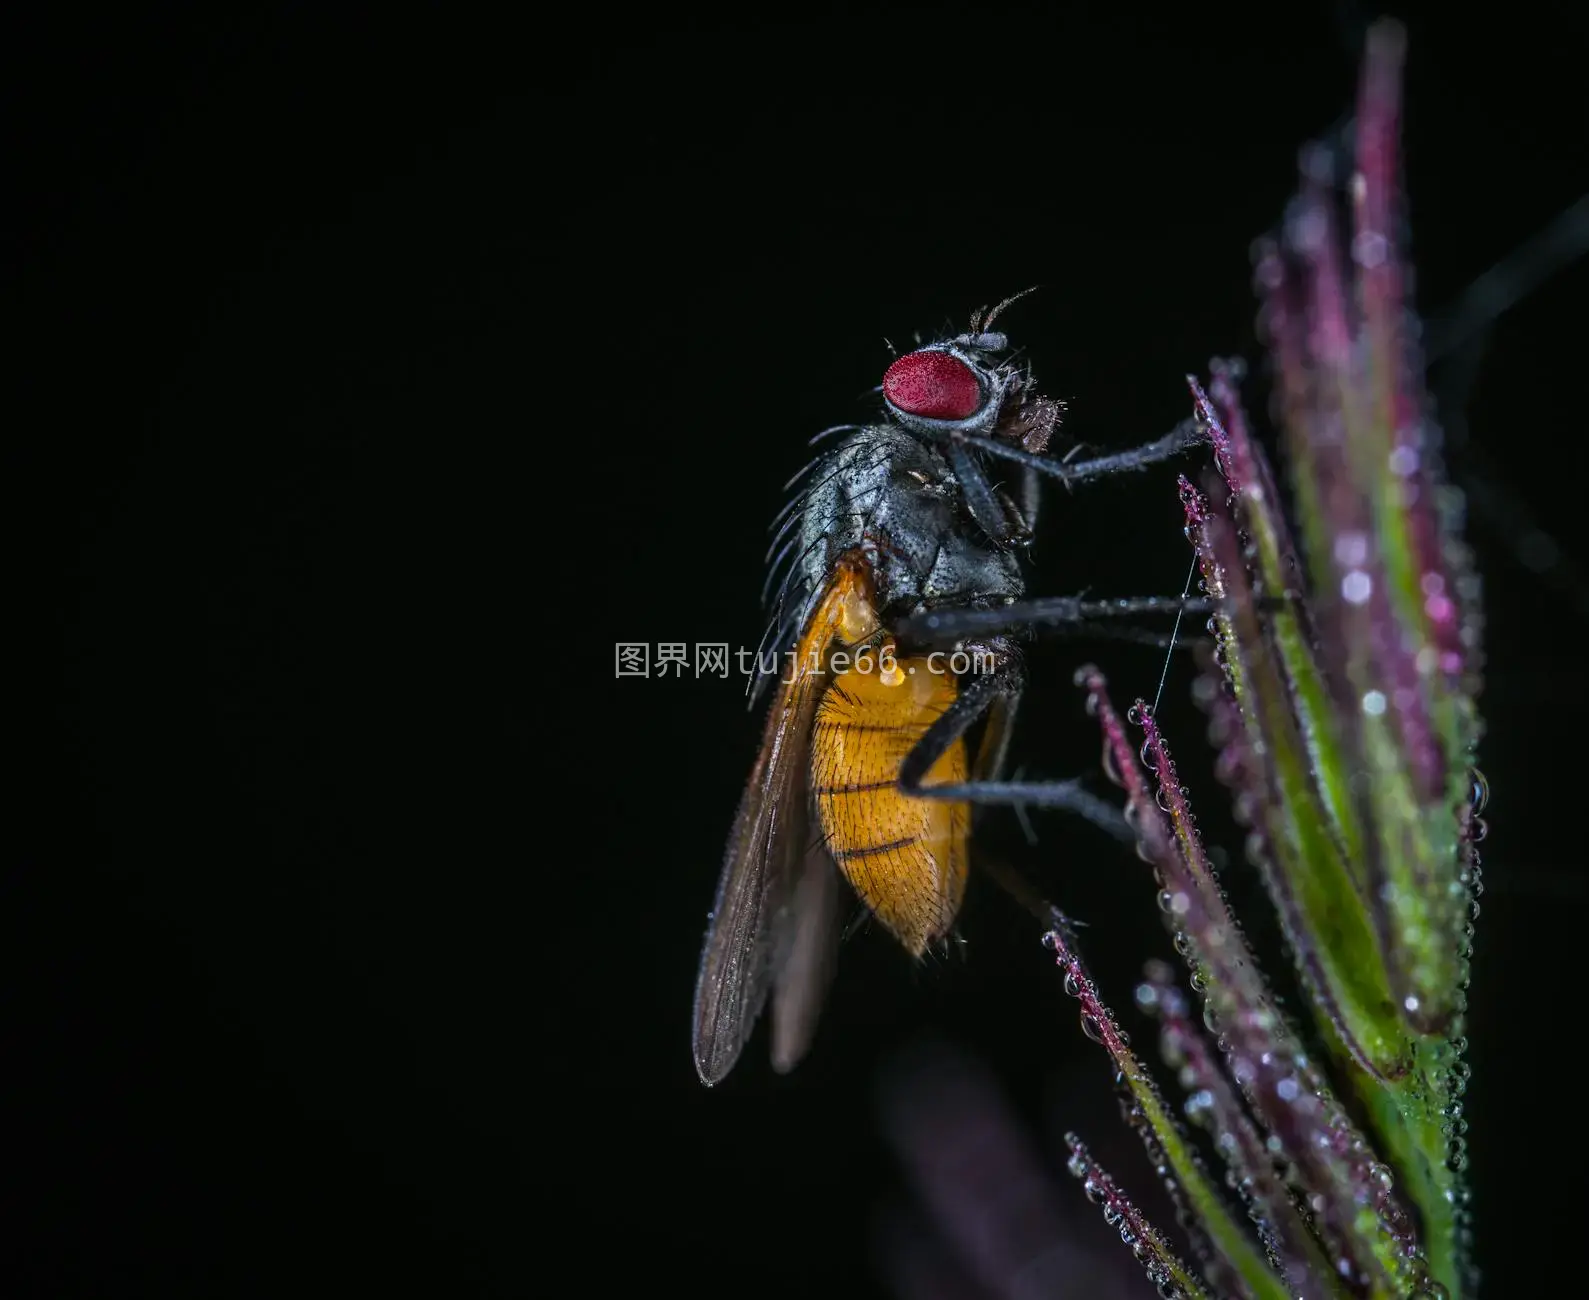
(905, 857)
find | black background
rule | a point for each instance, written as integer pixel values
(378, 375)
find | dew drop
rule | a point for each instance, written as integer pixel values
(1072, 985)
(1357, 587)
(1090, 1027)
(1479, 794)
(1111, 769)
(1370, 249)
(1351, 550)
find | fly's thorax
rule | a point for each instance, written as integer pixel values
(968, 571)
(888, 494)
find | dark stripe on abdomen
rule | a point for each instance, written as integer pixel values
(855, 787)
(872, 850)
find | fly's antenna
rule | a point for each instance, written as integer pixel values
(982, 324)
(1186, 590)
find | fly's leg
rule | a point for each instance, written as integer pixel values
(1009, 524)
(1187, 434)
(983, 504)
(1031, 498)
(1055, 613)
(940, 625)
(1021, 509)
(998, 691)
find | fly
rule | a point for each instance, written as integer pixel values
(903, 575)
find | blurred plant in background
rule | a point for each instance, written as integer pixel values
(1341, 701)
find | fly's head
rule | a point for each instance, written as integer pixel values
(967, 386)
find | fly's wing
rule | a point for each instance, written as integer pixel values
(806, 970)
(760, 913)
(754, 893)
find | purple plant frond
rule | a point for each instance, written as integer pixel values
(1294, 1253)
(1340, 695)
(1172, 1278)
(1294, 839)
(1342, 1177)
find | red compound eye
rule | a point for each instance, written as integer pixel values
(934, 385)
